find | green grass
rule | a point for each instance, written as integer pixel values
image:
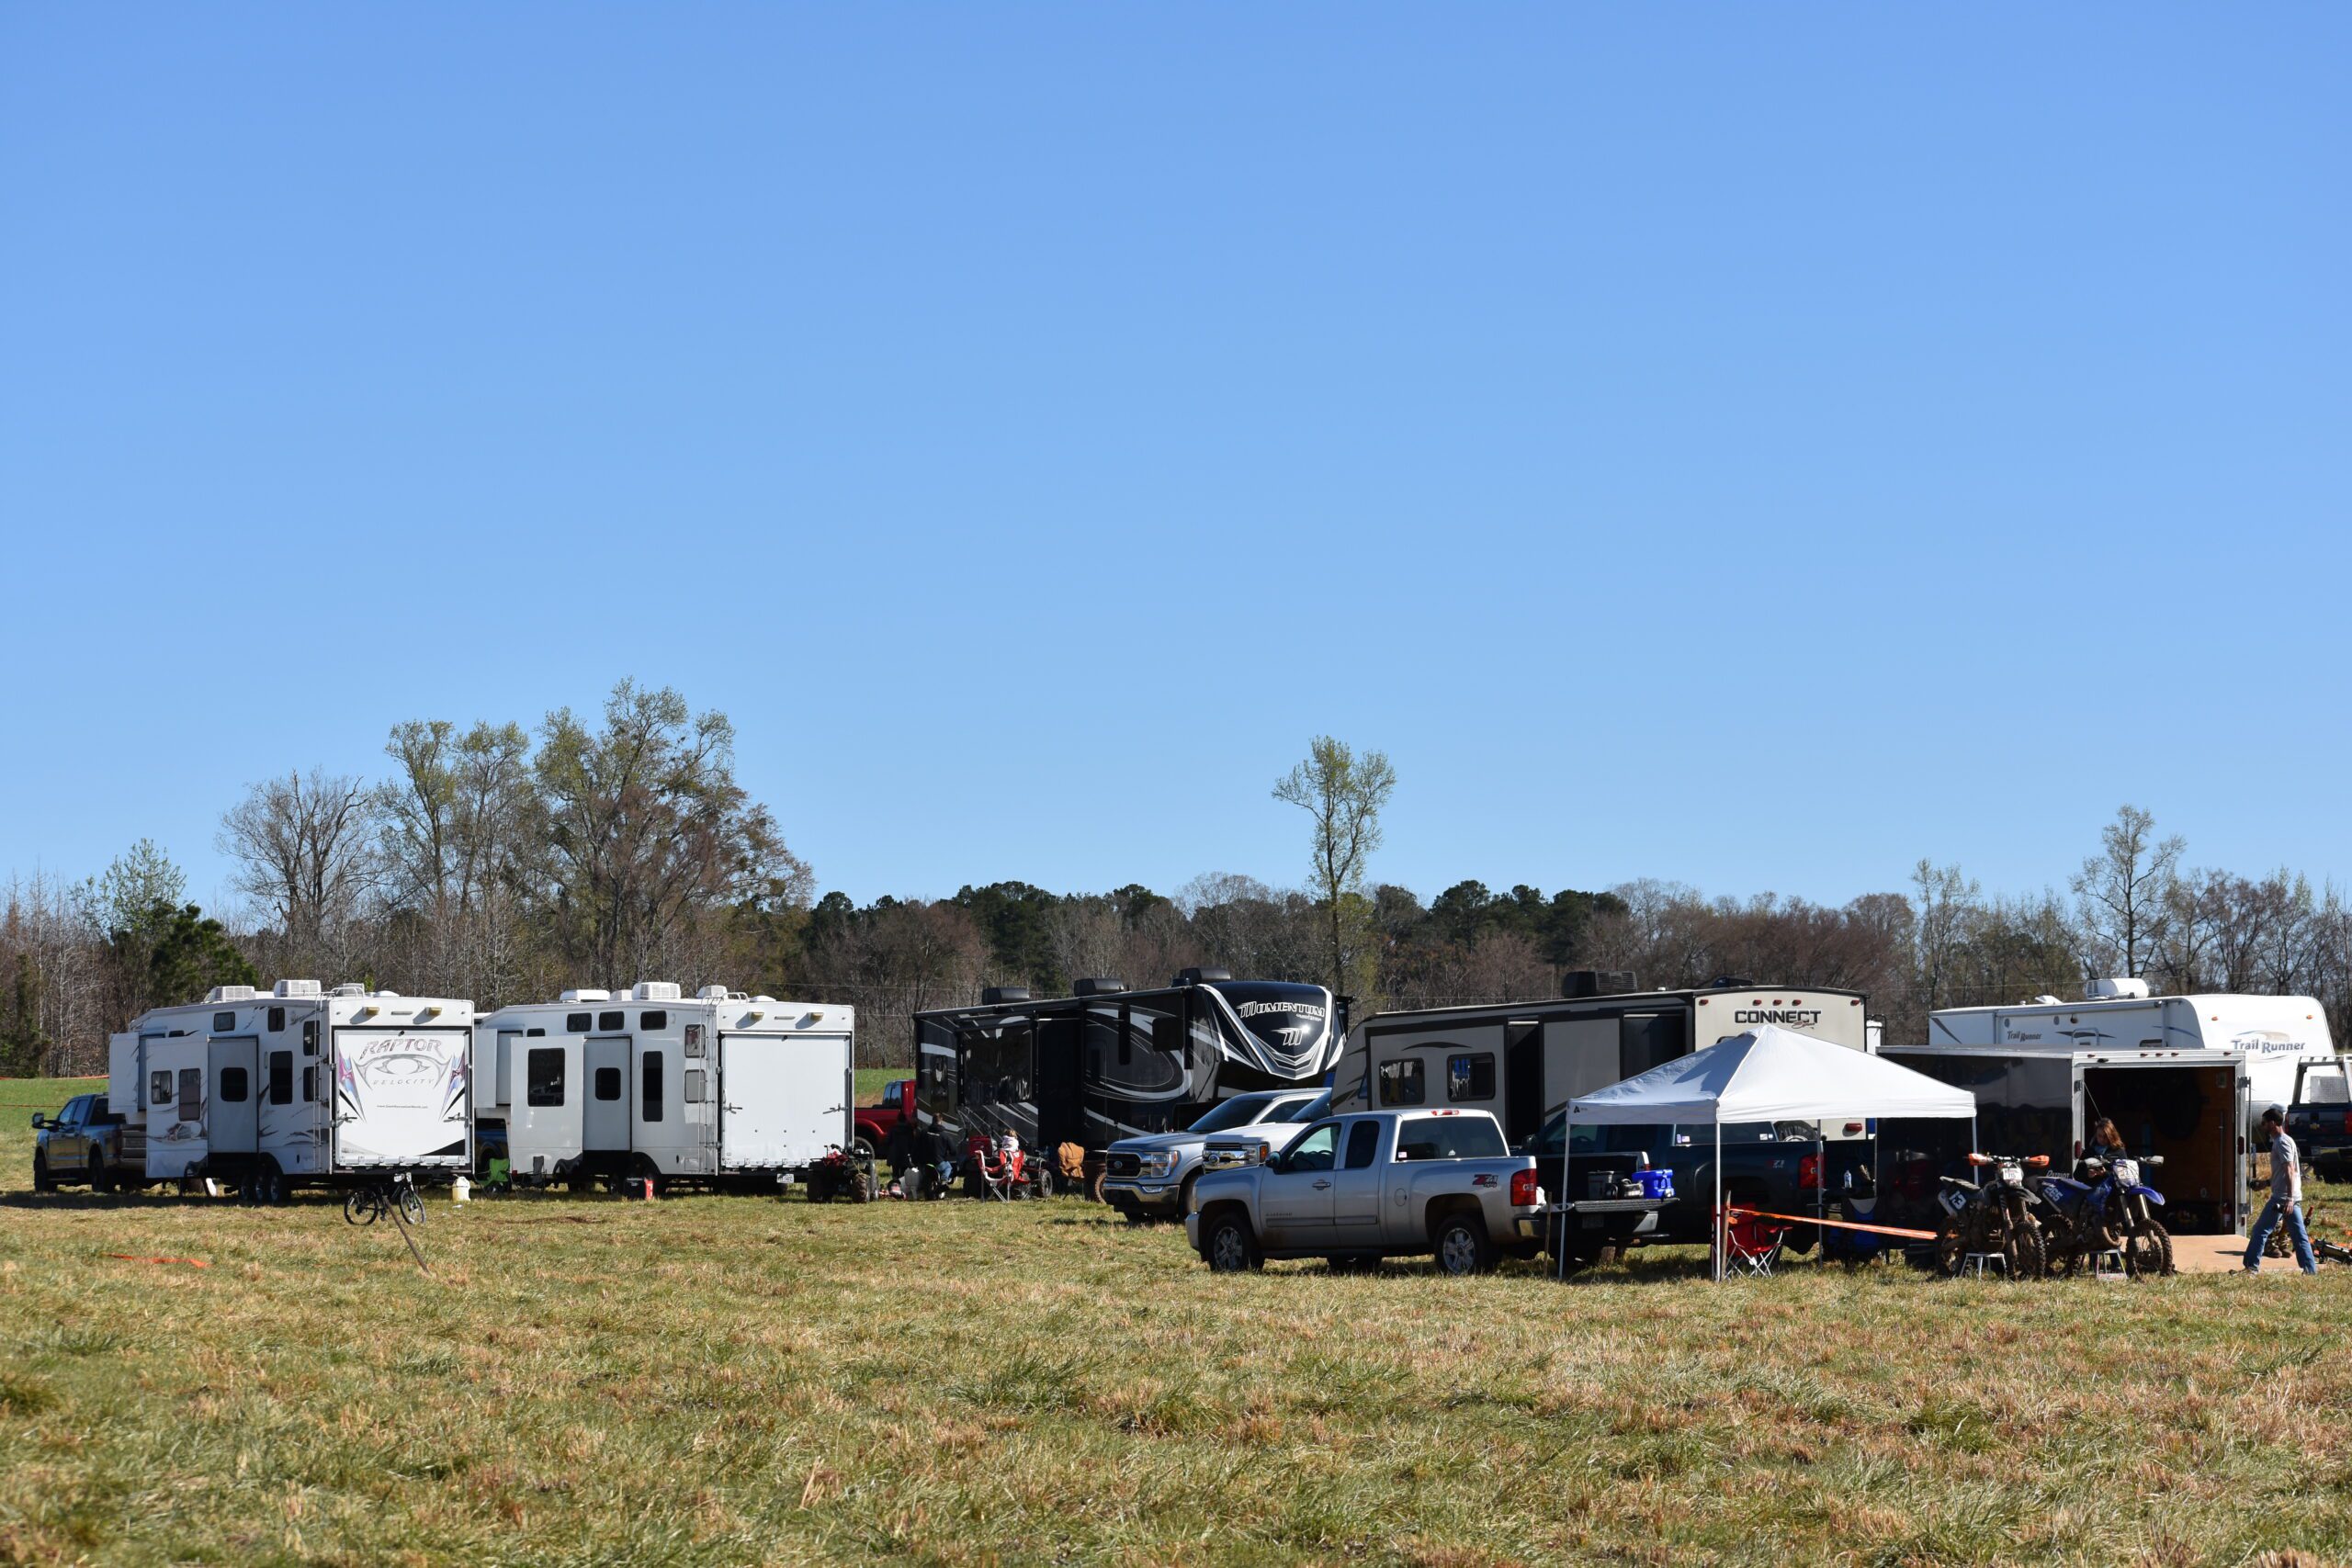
(736, 1380)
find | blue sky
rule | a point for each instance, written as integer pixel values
(1754, 447)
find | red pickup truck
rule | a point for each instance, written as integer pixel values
(877, 1123)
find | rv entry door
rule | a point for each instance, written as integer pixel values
(604, 1128)
(234, 1126)
(550, 1090)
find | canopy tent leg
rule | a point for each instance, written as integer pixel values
(1722, 1226)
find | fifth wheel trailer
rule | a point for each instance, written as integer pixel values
(719, 1088)
(2273, 1033)
(297, 1086)
(1523, 1061)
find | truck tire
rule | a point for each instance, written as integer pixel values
(1461, 1245)
(42, 1181)
(101, 1179)
(1230, 1247)
(1184, 1198)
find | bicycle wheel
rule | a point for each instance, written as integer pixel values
(360, 1208)
(412, 1204)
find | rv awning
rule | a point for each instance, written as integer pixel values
(1770, 1075)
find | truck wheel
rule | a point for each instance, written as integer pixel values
(42, 1181)
(101, 1179)
(1184, 1197)
(1230, 1247)
(1461, 1246)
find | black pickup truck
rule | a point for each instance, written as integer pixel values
(1770, 1165)
(89, 1141)
(2320, 1117)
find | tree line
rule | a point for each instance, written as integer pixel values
(504, 864)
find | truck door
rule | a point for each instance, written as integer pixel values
(1355, 1185)
(544, 1122)
(605, 1118)
(234, 1124)
(1295, 1201)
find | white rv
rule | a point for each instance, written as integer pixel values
(297, 1086)
(1523, 1061)
(714, 1089)
(2273, 1033)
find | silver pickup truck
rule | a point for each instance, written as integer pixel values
(1372, 1185)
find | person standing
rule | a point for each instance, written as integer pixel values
(2285, 1197)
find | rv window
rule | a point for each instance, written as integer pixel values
(1126, 1041)
(232, 1085)
(159, 1087)
(224, 1023)
(535, 1035)
(576, 1022)
(694, 1040)
(694, 1077)
(1362, 1139)
(1470, 1076)
(612, 1022)
(653, 1086)
(281, 1078)
(1400, 1083)
(652, 1021)
(310, 1083)
(543, 1075)
(191, 1094)
(276, 1020)
(608, 1083)
(310, 1037)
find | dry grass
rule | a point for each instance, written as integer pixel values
(746, 1381)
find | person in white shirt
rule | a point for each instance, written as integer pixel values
(2285, 1197)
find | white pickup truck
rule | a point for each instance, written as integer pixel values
(1375, 1184)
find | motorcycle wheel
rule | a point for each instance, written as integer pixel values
(1951, 1248)
(2021, 1250)
(2148, 1251)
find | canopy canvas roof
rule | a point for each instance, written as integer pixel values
(1770, 1075)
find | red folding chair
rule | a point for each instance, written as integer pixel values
(1751, 1242)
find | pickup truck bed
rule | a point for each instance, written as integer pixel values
(1373, 1184)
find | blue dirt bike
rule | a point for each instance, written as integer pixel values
(2110, 1208)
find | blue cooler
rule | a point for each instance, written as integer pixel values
(1655, 1183)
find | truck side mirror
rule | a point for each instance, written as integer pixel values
(39, 1120)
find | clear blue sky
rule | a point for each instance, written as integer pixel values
(1751, 446)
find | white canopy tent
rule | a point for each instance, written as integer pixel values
(1769, 1075)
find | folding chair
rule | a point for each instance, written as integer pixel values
(1752, 1244)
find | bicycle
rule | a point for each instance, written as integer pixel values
(366, 1205)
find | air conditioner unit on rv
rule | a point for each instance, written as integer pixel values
(230, 994)
(585, 995)
(711, 994)
(298, 990)
(2115, 990)
(654, 991)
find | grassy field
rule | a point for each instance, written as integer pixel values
(742, 1380)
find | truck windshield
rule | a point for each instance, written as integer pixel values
(1449, 1137)
(1239, 1111)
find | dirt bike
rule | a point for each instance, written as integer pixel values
(2111, 1209)
(1998, 1217)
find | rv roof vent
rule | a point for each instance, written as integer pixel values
(2047, 1000)
(295, 988)
(992, 995)
(714, 994)
(394, 995)
(1577, 984)
(586, 994)
(654, 991)
(1100, 986)
(2114, 990)
(762, 999)
(1203, 976)
(1727, 983)
(349, 989)
(230, 994)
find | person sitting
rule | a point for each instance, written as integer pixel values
(2104, 1149)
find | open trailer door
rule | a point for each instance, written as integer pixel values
(2191, 1116)
(782, 1099)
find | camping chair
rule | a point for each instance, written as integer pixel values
(1004, 1169)
(1751, 1242)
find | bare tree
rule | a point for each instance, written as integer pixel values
(650, 840)
(304, 848)
(2126, 889)
(1344, 794)
(1943, 903)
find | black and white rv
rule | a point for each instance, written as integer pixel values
(1109, 1063)
(299, 1086)
(1523, 1061)
(717, 1089)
